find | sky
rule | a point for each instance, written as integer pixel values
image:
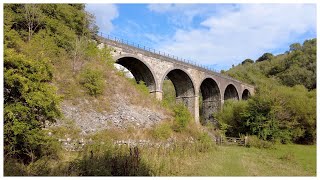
(214, 35)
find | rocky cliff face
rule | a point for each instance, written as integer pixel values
(123, 116)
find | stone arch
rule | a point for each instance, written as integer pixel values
(211, 99)
(183, 85)
(139, 69)
(231, 93)
(245, 94)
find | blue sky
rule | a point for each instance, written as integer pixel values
(215, 35)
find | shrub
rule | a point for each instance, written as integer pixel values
(29, 101)
(182, 117)
(11, 167)
(162, 131)
(142, 87)
(169, 94)
(230, 117)
(109, 160)
(254, 141)
(264, 57)
(93, 81)
(289, 156)
(205, 142)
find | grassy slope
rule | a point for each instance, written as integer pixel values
(286, 160)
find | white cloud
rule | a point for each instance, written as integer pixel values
(104, 14)
(182, 15)
(161, 8)
(246, 32)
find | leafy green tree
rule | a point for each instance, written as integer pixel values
(93, 81)
(247, 61)
(29, 101)
(264, 57)
(182, 117)
(283, 108)
(169, 95)
(295, 47)
(230, 118)
(37, 36)
(33, 18)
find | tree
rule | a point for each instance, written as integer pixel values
(91, 23)
(264, 57)
(33, 17)
(38, 37)
(295, 47)
(78, 52)
(284, 105)
(247, 61)
(29, 101)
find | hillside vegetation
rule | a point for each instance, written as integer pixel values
(284, 106)
(62, 97)
(57, 81)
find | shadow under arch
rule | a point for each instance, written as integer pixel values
(139, 69)
(245, 94)
(231, 93)
(183, 85)
(211, 100)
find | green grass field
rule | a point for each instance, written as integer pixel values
(283, 160)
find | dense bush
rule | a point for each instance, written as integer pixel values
(284, 106)
(29, 101)
(264, 57)
(110, 160)
(230, 117)
(169, 94)
(93, 81)
(205, 142)
(273, 114)
(182, 117)
(297, 67)
(247, 61)
(141, 86)
(162, 131)
(254, 141)
(36, 38)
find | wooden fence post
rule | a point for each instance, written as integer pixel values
(245, 140)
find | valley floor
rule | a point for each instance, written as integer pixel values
(285, 160)
(194, 160)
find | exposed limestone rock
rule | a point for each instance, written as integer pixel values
(123, 116)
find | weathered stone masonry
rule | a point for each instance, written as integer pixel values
(189, 80)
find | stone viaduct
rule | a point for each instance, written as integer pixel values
(189, 80)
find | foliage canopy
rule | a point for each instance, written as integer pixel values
(284, 106)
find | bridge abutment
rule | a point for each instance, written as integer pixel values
(196, 110)
(157, 95)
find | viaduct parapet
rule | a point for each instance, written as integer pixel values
(190, 81)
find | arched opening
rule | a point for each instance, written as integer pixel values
(183, 86)
(211, 100)
(139, 70)
(168, 93)
(246, 94)
(231, 93)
